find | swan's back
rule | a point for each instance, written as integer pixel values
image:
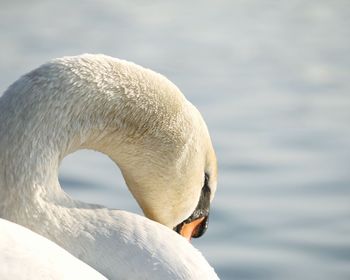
(27, 255)
(144, 249)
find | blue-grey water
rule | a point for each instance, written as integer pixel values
(272, 80)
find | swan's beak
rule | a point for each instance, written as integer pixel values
(196, 224)
(195, 228)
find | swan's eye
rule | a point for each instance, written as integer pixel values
(206, 187)
(204, 200)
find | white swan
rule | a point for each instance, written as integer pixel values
(147, 127)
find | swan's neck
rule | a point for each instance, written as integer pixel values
(46, 116)
(64, 106)
(35, 147)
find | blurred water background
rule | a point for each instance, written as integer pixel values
(272, 80)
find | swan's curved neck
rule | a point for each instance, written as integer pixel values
(45, 117)
(35, 146)
(72, 104)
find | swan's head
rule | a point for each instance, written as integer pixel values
(175, 185)
(174, 176)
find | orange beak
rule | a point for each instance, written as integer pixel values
(194, 228)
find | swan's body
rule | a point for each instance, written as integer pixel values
(26, 255)
(138, 118)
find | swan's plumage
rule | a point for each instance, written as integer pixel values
(26, 255)
(139, 119)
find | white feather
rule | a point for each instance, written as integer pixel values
(27, 255)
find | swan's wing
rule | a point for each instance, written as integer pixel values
(124, 246)
(27, 255)
(129, 246)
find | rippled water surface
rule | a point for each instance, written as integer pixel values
(272, 80)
